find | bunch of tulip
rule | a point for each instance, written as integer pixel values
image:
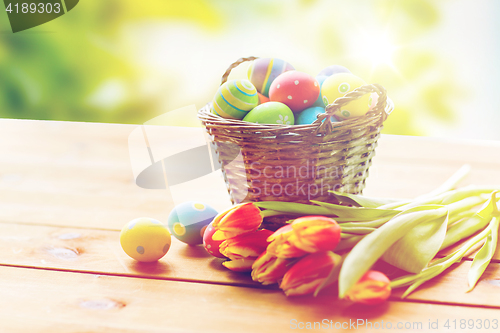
(407, 234)
(301, 260)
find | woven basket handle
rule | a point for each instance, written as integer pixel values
(334, 108)
(233, 66)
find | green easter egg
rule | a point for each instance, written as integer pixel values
(271, 113)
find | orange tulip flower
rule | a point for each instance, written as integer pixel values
(373, 288)
(315, 233)
(309, 273)
(237, 220)
(244, 249)
(269, 269)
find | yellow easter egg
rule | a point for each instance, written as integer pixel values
(340, 84)
(145, 239)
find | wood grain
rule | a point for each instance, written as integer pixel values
(66, 189)
(46, 301)
(98, 251)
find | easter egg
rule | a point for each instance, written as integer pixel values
(340, 84)
(234, 99)
(212, 246)
(333, 69)
(296, 89)
(319, 100)
(262, 99)
(188, 220)
(309, 115)
(263, 71)
(145, 239)
(271, 113)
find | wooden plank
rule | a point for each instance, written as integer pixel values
(48, 301)
(98, 251)
(79, 174)
(56, 170)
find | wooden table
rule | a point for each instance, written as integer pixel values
(66, 189)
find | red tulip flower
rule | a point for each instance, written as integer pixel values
(309, 273)
(315, 233)
(237, 220)
(373, 288)
(244, 249)
(269, 269)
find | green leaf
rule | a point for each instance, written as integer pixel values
(484, 255)
(357, 230)
(357, 212)
(294, 208)
(326, 209)
(362, 201)
(416, 248)
(438, 266)
(466, 228)
(372, 246)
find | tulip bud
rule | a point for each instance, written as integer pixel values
(244, 249)
(373, 288)
(269, 269)
(315, 233)
(237, 220)
(281, 247)
(309, 273)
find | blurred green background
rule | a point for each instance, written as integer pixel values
(125, 61)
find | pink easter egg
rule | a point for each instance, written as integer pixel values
(298, 90)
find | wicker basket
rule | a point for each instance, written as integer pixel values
(297, 163)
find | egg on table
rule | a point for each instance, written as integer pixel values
(263, 71)
(340, 84)
(188, 220)
(309, 115)
(212, 246)
(234, 99)
(296, 89)
(271, 113)
(145, 239)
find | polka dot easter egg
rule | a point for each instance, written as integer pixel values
(188, 220)
(326, 73)
(263, 71)
(145, 239)
(296, 89)
(271, 113)
(309, 115)
(212, 246)
(234, 99)
(340, 84)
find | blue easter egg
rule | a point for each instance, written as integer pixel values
(309, 115)
(320, 79)
(188, 220)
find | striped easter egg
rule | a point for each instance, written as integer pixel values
(263, 71)
(234, 99)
